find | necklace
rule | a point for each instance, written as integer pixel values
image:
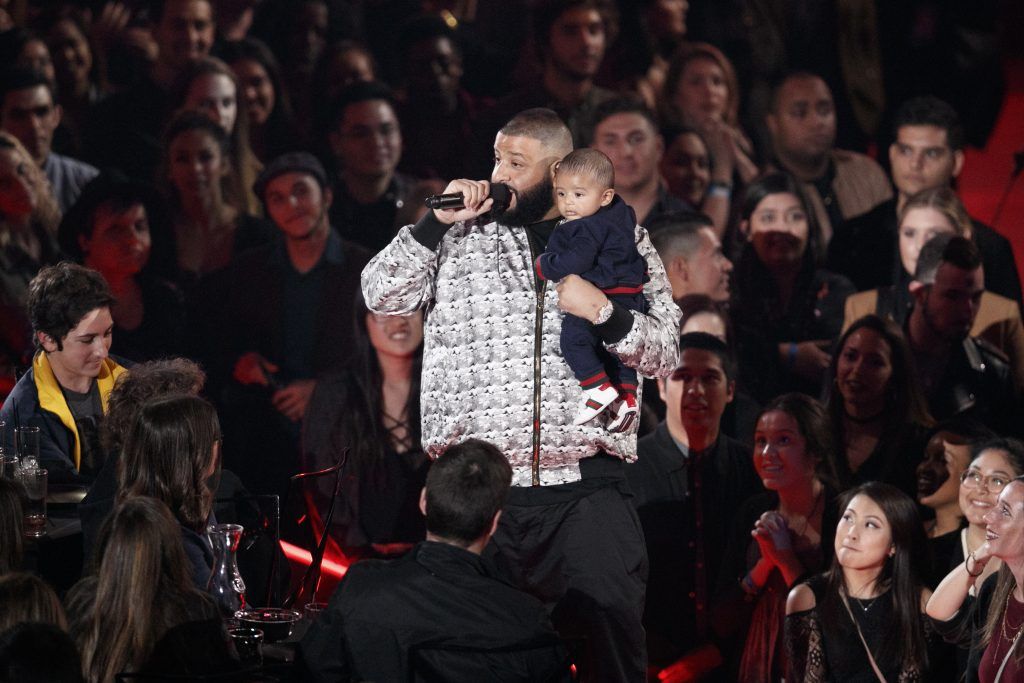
(1006, 614)
(870, 603)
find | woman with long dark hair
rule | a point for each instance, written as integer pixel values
(993, 622)
(139, 612)
(786, 309)
(172, 453)
(879, 416)
(12, 501)
(373, 409)
(863, 619)
(778, 536)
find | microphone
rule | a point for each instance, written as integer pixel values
(500, 193)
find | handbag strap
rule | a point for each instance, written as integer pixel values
(856, 625)
(1006, 659)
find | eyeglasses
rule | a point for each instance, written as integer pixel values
(973, 479)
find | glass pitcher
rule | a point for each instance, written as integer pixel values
(226, 584)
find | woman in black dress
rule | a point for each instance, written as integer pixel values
(863, 620)
(372, 408)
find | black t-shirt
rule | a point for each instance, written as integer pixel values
(87, 410)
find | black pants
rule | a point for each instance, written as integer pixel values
(584, 556)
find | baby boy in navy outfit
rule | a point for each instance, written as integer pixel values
(597, 242)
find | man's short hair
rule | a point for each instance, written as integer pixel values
(708, 342)
(21, 78)
(466, 487)
(157, 7)
(678, 233)
(362, 91)
(785, 78)
(931, 111)
(425, 27)
(623, 104)
(590, 163)
(953, 249)
(60, 296)
(546, 12)
(542, 125)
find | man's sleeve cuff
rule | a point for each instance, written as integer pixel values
(616, 327)
(429, 231)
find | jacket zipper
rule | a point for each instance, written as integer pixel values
(538, 326)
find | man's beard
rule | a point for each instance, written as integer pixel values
(952, 336)
(531, 206)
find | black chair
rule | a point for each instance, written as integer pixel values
(306, 590)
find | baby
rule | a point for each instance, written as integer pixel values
(597, 242)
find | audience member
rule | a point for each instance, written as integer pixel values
(865, 615)
(994, 462)
(692, 255)
(209, 223)
(274, 322)
(39, 653)
(840, 183)
(701, 92)
(271, 126)
(437, 114)
(132, 390)
(570, 38)
(12, 500)
(692, 173)
(626, 132)
(28, 230)
(926, 214)
(946, 456)
(29, 112)
(65, 391)
(688, 482)
(649, 35)
(20, 47)
(927, 153)
(210, 86)
(372, 409)
(124, 130)
(983, 621)
(792, 524)
(787, 311)
(114, 229)
(371, 201)
(877, 412)
(172, 454)
(140, 612)
(78, 75)
(959, 374)
(26, 598)
(438, 609)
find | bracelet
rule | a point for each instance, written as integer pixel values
(791, 354)
(605, 313)
(718, 189)
(970, 556)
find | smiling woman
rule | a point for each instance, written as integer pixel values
(993, 622)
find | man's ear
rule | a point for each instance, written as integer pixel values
(772, 123)
(681, 267)
(731, 391)
(58, 111)
(607, 196)
(423, 501)
(661, 390)
(328, 195)
(553, 169)
(494, 523)
(958, 162)
(47, 342)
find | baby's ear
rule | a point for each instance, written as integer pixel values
(607, 196)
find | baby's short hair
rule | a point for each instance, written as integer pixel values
(589, 162)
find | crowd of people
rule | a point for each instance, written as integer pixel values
(728, 389)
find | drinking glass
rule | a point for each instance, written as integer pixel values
(312, 610)
(248, 644)
(34, 482)
(28, 446)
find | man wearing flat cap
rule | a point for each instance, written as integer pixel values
(278, 318)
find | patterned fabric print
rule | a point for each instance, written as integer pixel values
(478, 360)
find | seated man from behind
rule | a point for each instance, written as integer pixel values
(438, 609)
(65, 392)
